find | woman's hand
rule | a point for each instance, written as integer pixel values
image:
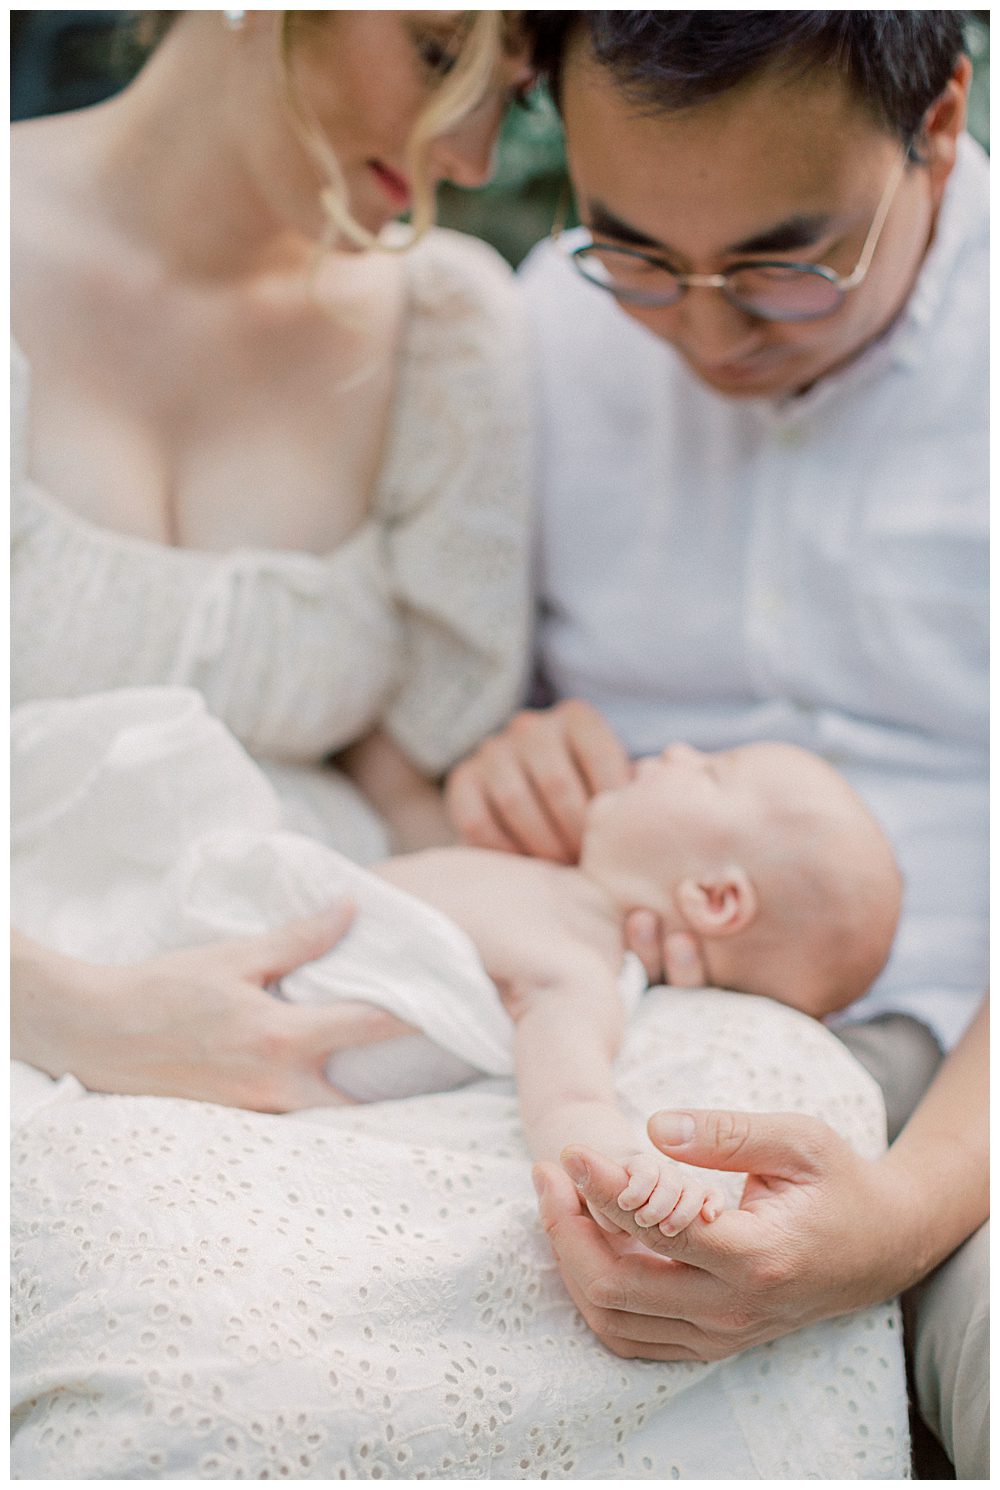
(674, 957)
(820, 1232)
(525, 790)
(196, 1023)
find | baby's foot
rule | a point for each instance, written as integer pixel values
(665, 1194)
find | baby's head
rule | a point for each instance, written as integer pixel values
(766, 855)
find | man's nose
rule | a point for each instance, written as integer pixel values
(707, 328)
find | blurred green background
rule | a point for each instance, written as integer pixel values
(65, 59)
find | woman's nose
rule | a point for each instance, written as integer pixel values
(466, 154)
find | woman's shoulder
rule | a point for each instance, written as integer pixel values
(455, 275)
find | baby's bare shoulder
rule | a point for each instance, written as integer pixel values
(529, 919)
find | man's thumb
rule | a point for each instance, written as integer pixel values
(788, 1145)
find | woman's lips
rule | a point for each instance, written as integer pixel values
(395, 186)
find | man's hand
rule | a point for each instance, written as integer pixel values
(819, 1232)
(525, 790)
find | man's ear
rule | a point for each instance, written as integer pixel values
(718, 904)
(937, 142)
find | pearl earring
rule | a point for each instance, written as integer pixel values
(234, 19)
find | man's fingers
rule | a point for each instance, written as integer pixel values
(264, 959)
(785, 1145)
(714, 1248)
(604, 1282)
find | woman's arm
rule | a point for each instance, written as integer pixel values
(196, 1023)
(410, 804)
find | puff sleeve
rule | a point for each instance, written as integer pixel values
(455, 501)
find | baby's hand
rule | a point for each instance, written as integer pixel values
(664, 1194)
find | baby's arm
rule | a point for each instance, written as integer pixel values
(565, 1040)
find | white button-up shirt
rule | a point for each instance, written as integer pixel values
(814, 570)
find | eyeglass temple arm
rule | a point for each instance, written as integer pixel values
(863, 265)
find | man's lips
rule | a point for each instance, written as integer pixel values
(753, 365)
(395, 186)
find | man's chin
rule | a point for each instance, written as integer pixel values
(774, 378)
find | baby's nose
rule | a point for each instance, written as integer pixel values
(680, 754)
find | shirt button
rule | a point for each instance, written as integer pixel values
(791, 435)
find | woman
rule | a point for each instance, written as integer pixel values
(289, 474)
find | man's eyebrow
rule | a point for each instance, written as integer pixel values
(800, 231)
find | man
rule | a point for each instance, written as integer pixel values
(763, 516)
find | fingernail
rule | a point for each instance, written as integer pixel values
(538, 1180)
(683, 953)
(576, 1169)
(674, 1128)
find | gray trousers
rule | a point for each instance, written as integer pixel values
(947, 1315)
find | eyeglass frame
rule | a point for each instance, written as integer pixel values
(843, 283)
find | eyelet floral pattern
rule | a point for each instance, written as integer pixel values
(366, 1293)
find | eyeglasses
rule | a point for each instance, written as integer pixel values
(771, 291)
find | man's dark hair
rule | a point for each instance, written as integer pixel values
(895, 62)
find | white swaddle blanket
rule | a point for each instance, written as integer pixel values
(140, 825)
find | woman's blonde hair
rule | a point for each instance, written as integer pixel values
(484, 34)
(461, 89)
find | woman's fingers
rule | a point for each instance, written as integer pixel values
(266, 958)
(471, 812)
(675, 959)
(683, 966)
(338, 1026)
(600, 757)
(529, 785)
(642, 936)
(515, 802)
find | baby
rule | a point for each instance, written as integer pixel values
(763, 853)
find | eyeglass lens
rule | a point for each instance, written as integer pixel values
(773, 291)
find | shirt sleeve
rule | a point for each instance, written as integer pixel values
(455, 501)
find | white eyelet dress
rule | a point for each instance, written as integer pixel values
(417, 622)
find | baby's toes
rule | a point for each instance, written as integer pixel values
(688, 1207)
(643, 1173)
(661, 1203)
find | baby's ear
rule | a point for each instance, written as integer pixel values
(718, 904)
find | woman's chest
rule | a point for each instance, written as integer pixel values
(212, 431)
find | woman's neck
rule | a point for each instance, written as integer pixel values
(170, 163)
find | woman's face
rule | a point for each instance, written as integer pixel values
(367, 76)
